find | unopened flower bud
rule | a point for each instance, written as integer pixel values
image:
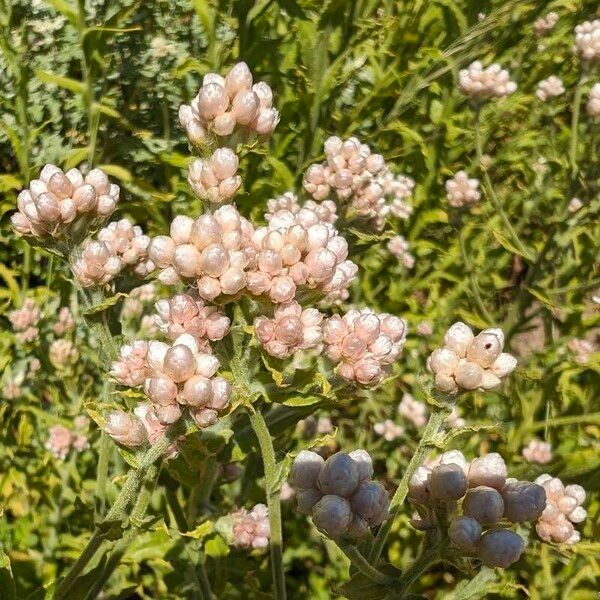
(464, 533)
(332, 514)
(523, 501)
(500, 548)
(484, 504)
(339, 475)
(305, 469)
(489, 470)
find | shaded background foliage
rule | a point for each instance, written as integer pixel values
(101, 83)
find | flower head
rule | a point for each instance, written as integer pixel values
(479, 83)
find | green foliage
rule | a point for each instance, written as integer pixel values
(98, 82)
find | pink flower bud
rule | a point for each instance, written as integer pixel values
(458, 338)
(239, 78)
(125, 429)
(488, 470)
(212, 101)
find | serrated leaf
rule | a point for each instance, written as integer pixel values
(203, 530)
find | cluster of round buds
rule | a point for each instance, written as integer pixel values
(184, 313)
(251, 529)
(545, 24)
(582, 350)
(299, 249)
(215, 179)
(413, 410)
(593, 103)
(225, 104)
(55, 203)
(339, 493)
(181, 375)
(291, 329)
(361, 178)
(65, 321)
(326, 210)
(468, 362)
(388, 430)
(587, 40)
(462, 190)
(24, 321)
(133, 305)
(97, 265)
(63, 354)
(398, 246)
(130, 244)
(214, 250)
(131, 369)
(563, 508)
(487, 498)
(538, 452)
(549, 88)
(61, 440)
(479, 83)
(137, 429)
(363, 344)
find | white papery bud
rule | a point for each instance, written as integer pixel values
(486, 347)
(500, 548)
(464, 533)
(418, 486)
(488, 470)
(479, 83)
(447, 483)
(458, 338)
(339, 475)
(305, 469)
(523, 501)
(332, 514)
(484, 504)
(545, 24)
(538, 452)
(125, 429)
(215, 179)
(131, 369)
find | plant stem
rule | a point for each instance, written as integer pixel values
(575, 125)
(361, 563)
(270, 466)
(102, 472)
(432, 429)
(490, 188)
(126, 495)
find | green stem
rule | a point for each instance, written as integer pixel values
(137, 514)
(361, 563)
(575, 125)
(128, 492)
(490, 188)
(102, 471)
(432, 429)
(270, 466)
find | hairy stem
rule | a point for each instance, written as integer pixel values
(363, 565)
(102, 471)
(432, 429)
(273, 502)
(128, 492)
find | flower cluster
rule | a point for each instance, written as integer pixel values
(339, 493)
(545, 24)
(462, 190)
(593, 103)
(388, 430)
(184, 313)
(361, 178)
(398, 246)
(487, 497)
(413, 410)
(549, 88)
(479, 83)
(251, 529)
(60, 203)
(215, 179)
(65, 321)
(61, 440)
(582, 350)
(538, 452)
(470, 362)
(24, 321)
(119, 245)
(131, 369)
(181, 375)
(326, 210)
(587, 40)
(291, 329)
(363, 344)
(299, 249)
(229, 103)
(63, 354)
(133, 305)
(563, 508)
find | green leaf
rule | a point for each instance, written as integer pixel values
(216, 547)
(508, 245)
(476, 587)
(64, 82)
(107, 303)
(7, 583)
(203, 530)
(64, 8)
